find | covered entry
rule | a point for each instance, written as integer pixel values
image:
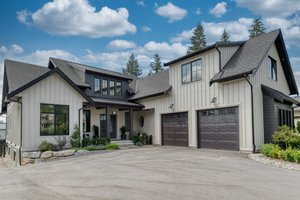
(219, 128)
(175, 129)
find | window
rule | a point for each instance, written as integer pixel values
(97, 85)
(272, 68)
(86, 121)
(127, 121)
(192, 71)
(54, 119)
(285, 117)
(118, 88)
(112, 88)
(104, 87)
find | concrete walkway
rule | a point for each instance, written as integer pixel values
(151, 173)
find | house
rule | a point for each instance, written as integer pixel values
(230, 95)
(296, 112)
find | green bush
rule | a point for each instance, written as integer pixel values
(298, 126)
(136, 139)
(111, 147)
(95, 141)
(269, 149)
(296, 156)
(142, 138)
(286, 138)
(45, 146)
(94, 148)
(75, 137)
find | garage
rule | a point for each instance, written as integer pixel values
(219, 129)
(175, 129)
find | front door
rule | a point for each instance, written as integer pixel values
(112, 128)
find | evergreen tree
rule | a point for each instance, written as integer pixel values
(257, 28)
(198, 39)
(132, 67)
(156, 65)
(225, 37)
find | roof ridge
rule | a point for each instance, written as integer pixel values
(17, 61)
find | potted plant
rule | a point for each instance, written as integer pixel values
(123, 132)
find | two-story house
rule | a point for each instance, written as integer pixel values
(230, 95)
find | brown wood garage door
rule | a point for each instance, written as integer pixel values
(219, 128)
(175, 129)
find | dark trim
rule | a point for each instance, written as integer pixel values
(230, 78)
(277, 95)
(252, 117)
(55, 120)
(55, 70)
(152, 95)
(89, 113)
(191, 70)
(276, 73)
(140, 106)
(220, 59)
(220, 44)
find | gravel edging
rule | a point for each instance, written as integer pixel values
(274, 162)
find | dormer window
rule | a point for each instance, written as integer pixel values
(97, 85)
(272, 68)
(192, 71)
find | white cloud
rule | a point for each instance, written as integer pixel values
(141, 3)
(78, 18)
(12, 49)
(172, 12)
(121, 44)
(273, 8)
(219, 10)
(295, 62)
(146, 29)
(198, 11)
(184, 36)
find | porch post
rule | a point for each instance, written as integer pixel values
(107, 121)
(130, 122)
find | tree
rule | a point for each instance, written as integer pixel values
(225, 37)
(156, 65)
(198, 39)
(257, 28)
(132, 67)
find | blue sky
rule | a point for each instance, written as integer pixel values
(104, 33)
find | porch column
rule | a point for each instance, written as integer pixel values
(130, 122)
(107, 121)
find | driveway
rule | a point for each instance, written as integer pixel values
(151, 173)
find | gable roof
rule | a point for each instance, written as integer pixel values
(153, 85)
(217, 44)
(76, 71)
(251, 54)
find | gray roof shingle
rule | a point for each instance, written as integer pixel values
(152, 85)
(18, 73)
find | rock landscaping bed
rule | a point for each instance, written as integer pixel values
(274, 162)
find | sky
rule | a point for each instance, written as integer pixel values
(103, 33)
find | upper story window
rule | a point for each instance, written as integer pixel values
(97, 85)
(112, 88)
(272, 68)
(104, 86)
(192, 71)
(118, 88)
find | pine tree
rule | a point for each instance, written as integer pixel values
(156, 65)
(198, 39)
(132, 67)
(225, 37)
(257, 28)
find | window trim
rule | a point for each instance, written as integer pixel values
(68, 129)
(100, 80)
(191, 71)
(272, 60)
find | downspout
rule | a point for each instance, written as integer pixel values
(252, 112)
(220, 62)
(79, 124)
(21, 134)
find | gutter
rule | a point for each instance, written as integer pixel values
(21, 132)
(252, 113)
(220, 61)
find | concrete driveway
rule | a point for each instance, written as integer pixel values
(151, 173)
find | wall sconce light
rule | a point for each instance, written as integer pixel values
(114, 112)
(172, 106)
(213, 100)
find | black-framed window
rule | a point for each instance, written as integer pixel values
(97, 85)
(285, 117)
(112, 88)
(191, 71)
(104, 87)
(272, 68)
(118, 88)
(54, 119)
(86, 121)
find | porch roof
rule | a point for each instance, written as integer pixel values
(279, 96)
(114, 102)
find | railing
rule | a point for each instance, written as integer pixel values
(2, 148)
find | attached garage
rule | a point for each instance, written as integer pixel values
(175, 129)
(219, 129)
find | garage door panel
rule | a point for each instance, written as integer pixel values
(175, 129)
(218, 128)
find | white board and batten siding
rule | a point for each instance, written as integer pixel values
(51, 90)
(262, 77)
(195, 96)
(13, 119)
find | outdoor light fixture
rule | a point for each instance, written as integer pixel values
(114, 112)
(172, 106)
(213, 100)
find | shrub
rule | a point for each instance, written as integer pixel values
(95, 141)
(94, 148)
(286, 137)
(142, 138)
(136, 139)
(139, 144)
(298, 126)
(296, 156)
(45, 146)
(61, 142)
(266, 149)
(75, 137)
(288, 155)
(111, 147)
(86, 142)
